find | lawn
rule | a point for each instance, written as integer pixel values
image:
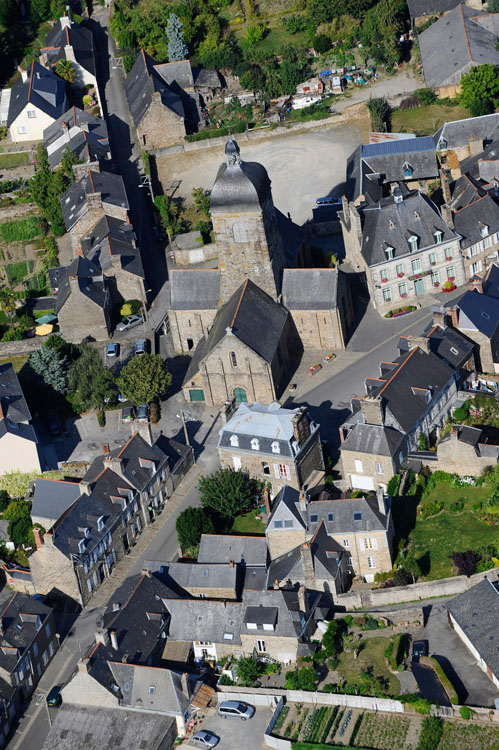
(18, 159)
(457, 735)
(21, 230)
(18, 362)
(426, 120)
(371, 655)
(248, 524)
(16, 272)
(432, 540)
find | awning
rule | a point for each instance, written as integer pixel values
(44, 330)
(48, 318)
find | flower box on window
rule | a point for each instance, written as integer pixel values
(436, 284)
(448, 257)
(451, 278)
(384, 281)
(434, 263)
(404, 295)
(400, 275)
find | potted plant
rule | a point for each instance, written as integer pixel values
(434, 263)
(451, 278)
(404, 295)
(436, 284)
(448, 257)
(400, 275)
(384, 281)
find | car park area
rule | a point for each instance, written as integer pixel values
(235, 733)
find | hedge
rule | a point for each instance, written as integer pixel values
(430, 661)
(314, 746)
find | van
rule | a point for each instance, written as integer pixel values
(235, 710)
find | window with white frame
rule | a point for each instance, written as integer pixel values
(477, 266)
(438, 236)
(234, 441)
(371, 562)
(383, 274)
(346, 543)
(369, 542)
(432, 258)
(484, 230)
(389, 252)
(413, 243)
(276, 448)
(435, 277)
(379, 468)
(450, 272)
(255, 444)
(358, 465)
(31, 113)
(399, 268)
(387, 295)
(282, 471)
(21, 129)
(402, 289)
(416, 265)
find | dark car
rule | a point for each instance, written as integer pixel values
(143, 413)
(158, 233)
(127, 414)
(54, 698)
(328, 200)
(53, 426)
(419, 648)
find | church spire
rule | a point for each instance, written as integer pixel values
(232, 152)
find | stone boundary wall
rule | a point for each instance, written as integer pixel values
(270, 696)
(10, 213)
(371, 599)
(25, 346)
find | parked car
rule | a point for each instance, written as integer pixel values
(419, 648)
(204, 738)
(235, 710)
(143, 413)
(54, 697)
(113, 349)
(130, 322)
(127, 414)
(141, 346)
(158, 233)
(328, 200)
(53, 426)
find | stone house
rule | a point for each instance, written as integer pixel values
(206, 581)
(468, 450)
(476, 315)
(361, 528)
(84, 134)
(194, 302)
(226, 548)
(18, 440)
(245, 355)
(83, 302)
(68, 40)
(421, 11)
(27, 644)
(275, 445)
(412, 396)
(50, 499)
(403, 247)
(373, 170)
(37, 99)
(459, 140)
(449, 48)
(473, 615)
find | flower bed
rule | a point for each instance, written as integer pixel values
(400, 311)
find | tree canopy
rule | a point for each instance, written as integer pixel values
(91, 384)
(177, 48)
(228, 492)
(191, 523)
(144, 379)
(480, 89)
(52, 366)
(47, 187)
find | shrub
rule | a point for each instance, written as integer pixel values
(389, 650)
(226, 680)
(432, 508)
(466, 713)
(431, 733)
(370, 623)
(465, 562)
(101, 418)
(420, 704)
(460, 415)
(425, 97)
(457, 506)
(393, 485)
(333, 663)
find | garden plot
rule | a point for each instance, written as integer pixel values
(22, 252)
(382, 732)
(457, 735)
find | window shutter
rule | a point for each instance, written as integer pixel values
(276, 471)
(375, 543)
(362, 545)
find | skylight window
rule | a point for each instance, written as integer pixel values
(330, 516)
(357, 516)
(152, 689)
(314, 518)
(454, 351)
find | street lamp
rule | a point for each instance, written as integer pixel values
(57, 635)
(182, 417)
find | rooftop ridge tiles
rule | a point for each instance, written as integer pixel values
(31, 79)
(398, 370)
(239, 302)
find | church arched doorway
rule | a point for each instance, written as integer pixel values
(240, 395)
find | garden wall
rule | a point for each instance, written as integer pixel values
(25, 346)
(425, 590)
(268, 697)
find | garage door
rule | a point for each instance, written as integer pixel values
(196, 394)
(361, 483)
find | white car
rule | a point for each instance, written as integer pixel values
(204, 738)
(306, 101)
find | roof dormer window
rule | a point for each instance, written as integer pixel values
(408, 170)
(100, 523)
(389, 252)
(255, 444)
(81, 546)
(484, 230)
(438, 234)
(276, 448)
(234, 441)
(442, 144)
(413, 243)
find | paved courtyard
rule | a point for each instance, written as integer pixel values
(235, 733)
(302, 166)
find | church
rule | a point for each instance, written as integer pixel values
(247, 322)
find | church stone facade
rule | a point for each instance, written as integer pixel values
(246, 323)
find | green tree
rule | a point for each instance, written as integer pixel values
(46, 188)
(290, 76)
(493, 6)
(8, 303)
(177, 48)
(65, 70)
(380, 112)
(330, 637)
(57, 8)
(254, 34)
(190, 524)
(412, 566)
(52, 366)
(144, 379)
(4, 500)
(229, 493)
(248, 671)
(169, 215)
(39, 10)
(202, 201)
(91, 384)
(480, 89)
(304, 678)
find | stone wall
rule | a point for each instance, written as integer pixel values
(51, 569)
(370, 464)
(25, 346)
(318, 329)
(281, 541)
(253, 462)
(456, 457)
(278, 647)
(189, 325)
(160, 126)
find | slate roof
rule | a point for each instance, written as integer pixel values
(491, 281)
(203, 77)
(42, 88)
(253, 317)
(269, 424)
(469, 221)
(478, 312)
(178, 71)
(91, 728)
(476, 611)
(199, 575)
(239, 184)
(84, 134)
(52, 497)
(18, 631)
(74, 200)
(310, 288)
(195, 289)
(113, 237)
(67, 32)
(465, 190)
(219, 548)
(453, 44)
(12, 401)
(445, 342)
(135, 682)
(373, 439)
(344, 511)
(326, 557)
(390, 158)
(140, 85)
(484, 165)
(90, 282)
(419, 8)
(458, 132)
(286, 504)
(389, 223)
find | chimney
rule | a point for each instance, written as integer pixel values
(114, 639)
(231, 563)
(381, 501)
(346, 209)
(476, 145)
(85, 487)
(38, 537)
(438, 316)
(65, 22)
(454, 317)
(114, 463)
(301, 425)
(276, 584)
(444, 182)
(94, 201)
(79, 170)
(83, 665)
(146, 572)
(144, 430)
(447, 216)
(301, 598)
(372, 410)
(419, 341)
(266, 498)
(475, 284)
(105, 448)
(23, 72)
(102, 636)
(185, 684)
(302, 503)
(69, 53)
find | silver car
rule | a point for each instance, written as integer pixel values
(204, 738)
(143, 413)
(235, 710)
(130, 322)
